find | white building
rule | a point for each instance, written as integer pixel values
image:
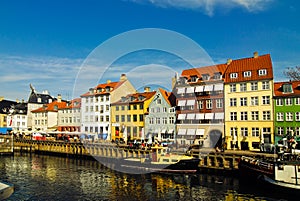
(95, 106)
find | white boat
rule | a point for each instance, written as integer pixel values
(6, 190)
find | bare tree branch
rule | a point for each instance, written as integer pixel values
(292, 73)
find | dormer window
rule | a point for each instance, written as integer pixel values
(132, 98)
(262, 72)
(123, 98)
(182, 80)
(55, 107)
(217, 76)
(247, 74)
(91, 90)
(233, 75)
(205, 77)
(39, 100)
(107, 89)
(158, 101)
(141, 97)
(99, 90)
(194, 78)
(287, 88)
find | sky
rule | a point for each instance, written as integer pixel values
(66, 47)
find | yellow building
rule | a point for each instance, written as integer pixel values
(128, 115)
(248, 92)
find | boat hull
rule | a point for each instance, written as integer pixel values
(6, 191)
(183, 166)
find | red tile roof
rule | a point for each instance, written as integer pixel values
(75, 103)
(168, 96)
(252, 64)
(113, 85)
(278, 90)
(50, 107)
(210, 70)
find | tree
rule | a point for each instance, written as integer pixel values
(292, 73)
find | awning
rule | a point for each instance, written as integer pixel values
(200, 131)
(4, 130)
(218, 87)
(208, 87)
(181, 102)
(219, 115)
(181, 116)
(199, 116)
(190, 102)
(181, 90)
(190, 116)
(199, 89)
(191, 131)
(170, 131)
(181, 131)
(190, 90)
(209, 115)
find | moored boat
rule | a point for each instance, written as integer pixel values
(6, 190)
(160, 160)
(281, 173)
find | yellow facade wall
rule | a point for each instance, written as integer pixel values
(252, 141)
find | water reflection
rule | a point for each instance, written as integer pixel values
(40, 177)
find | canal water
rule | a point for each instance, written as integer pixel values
(41, 177)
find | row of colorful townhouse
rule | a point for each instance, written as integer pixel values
(236, 105)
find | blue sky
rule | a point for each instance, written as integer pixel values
(47, 42)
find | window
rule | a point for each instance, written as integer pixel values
(158, 109)
(266, 115)
(255, 132)
(232, 87)
(254, 115)
(254, 86)
(247, 74)
(171, 120)
(288, 101)
(233, 132)
(157, 120)
(205, 77)
(135, 107)
(290, 130)
(128, 118)
(279, 116)
(128, 107)
(243, 101)
(117, 108)
(289, 116)
(297, 131)
(150, 120)
(244, 116)
(134, 118)
(86, 108)
(208, 104)
(233, 75)
(297, 116)
(141, 116)
(194, 78)
(219, 103)
(200, 104)
(265, 85)
(233, 116)
(280, 131)
(122, 118)
(232, 102)
(243, 87)
(217, 76)
(122, 107)
(262, 72)
(164, 109)
(254, 101)
(287, 88)
(91, 108)
(279, 102)
(165, 120)
(107, 107)
(297, 101)
(244, 131)
(171, 110)
(266, 100)
(158, 101)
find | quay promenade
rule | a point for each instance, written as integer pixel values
(212, 160)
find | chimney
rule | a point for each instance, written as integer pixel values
(147, 89)
(108, 81)
(255, 54)
(59, 98)
(229, 61)
(123, 77)
(17, 100)
(1, 98)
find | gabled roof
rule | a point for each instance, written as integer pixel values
(253, 64)
(207, 70)
(102, 87)
(168, 96)
(75, 103)
(135, 98)
(278, 89)
(21, 108)
(50, 107)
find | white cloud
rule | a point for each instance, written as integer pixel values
(209, 6)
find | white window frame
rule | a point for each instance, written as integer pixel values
(254, 86)
(279, 102)
(233, 102)
(288, 116)
(254, 101)
(262, 72)
(247, 74)
(232, 87)
(233, 75)
(288, 101)
(279, 116)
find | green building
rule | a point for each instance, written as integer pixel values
(287, 110)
